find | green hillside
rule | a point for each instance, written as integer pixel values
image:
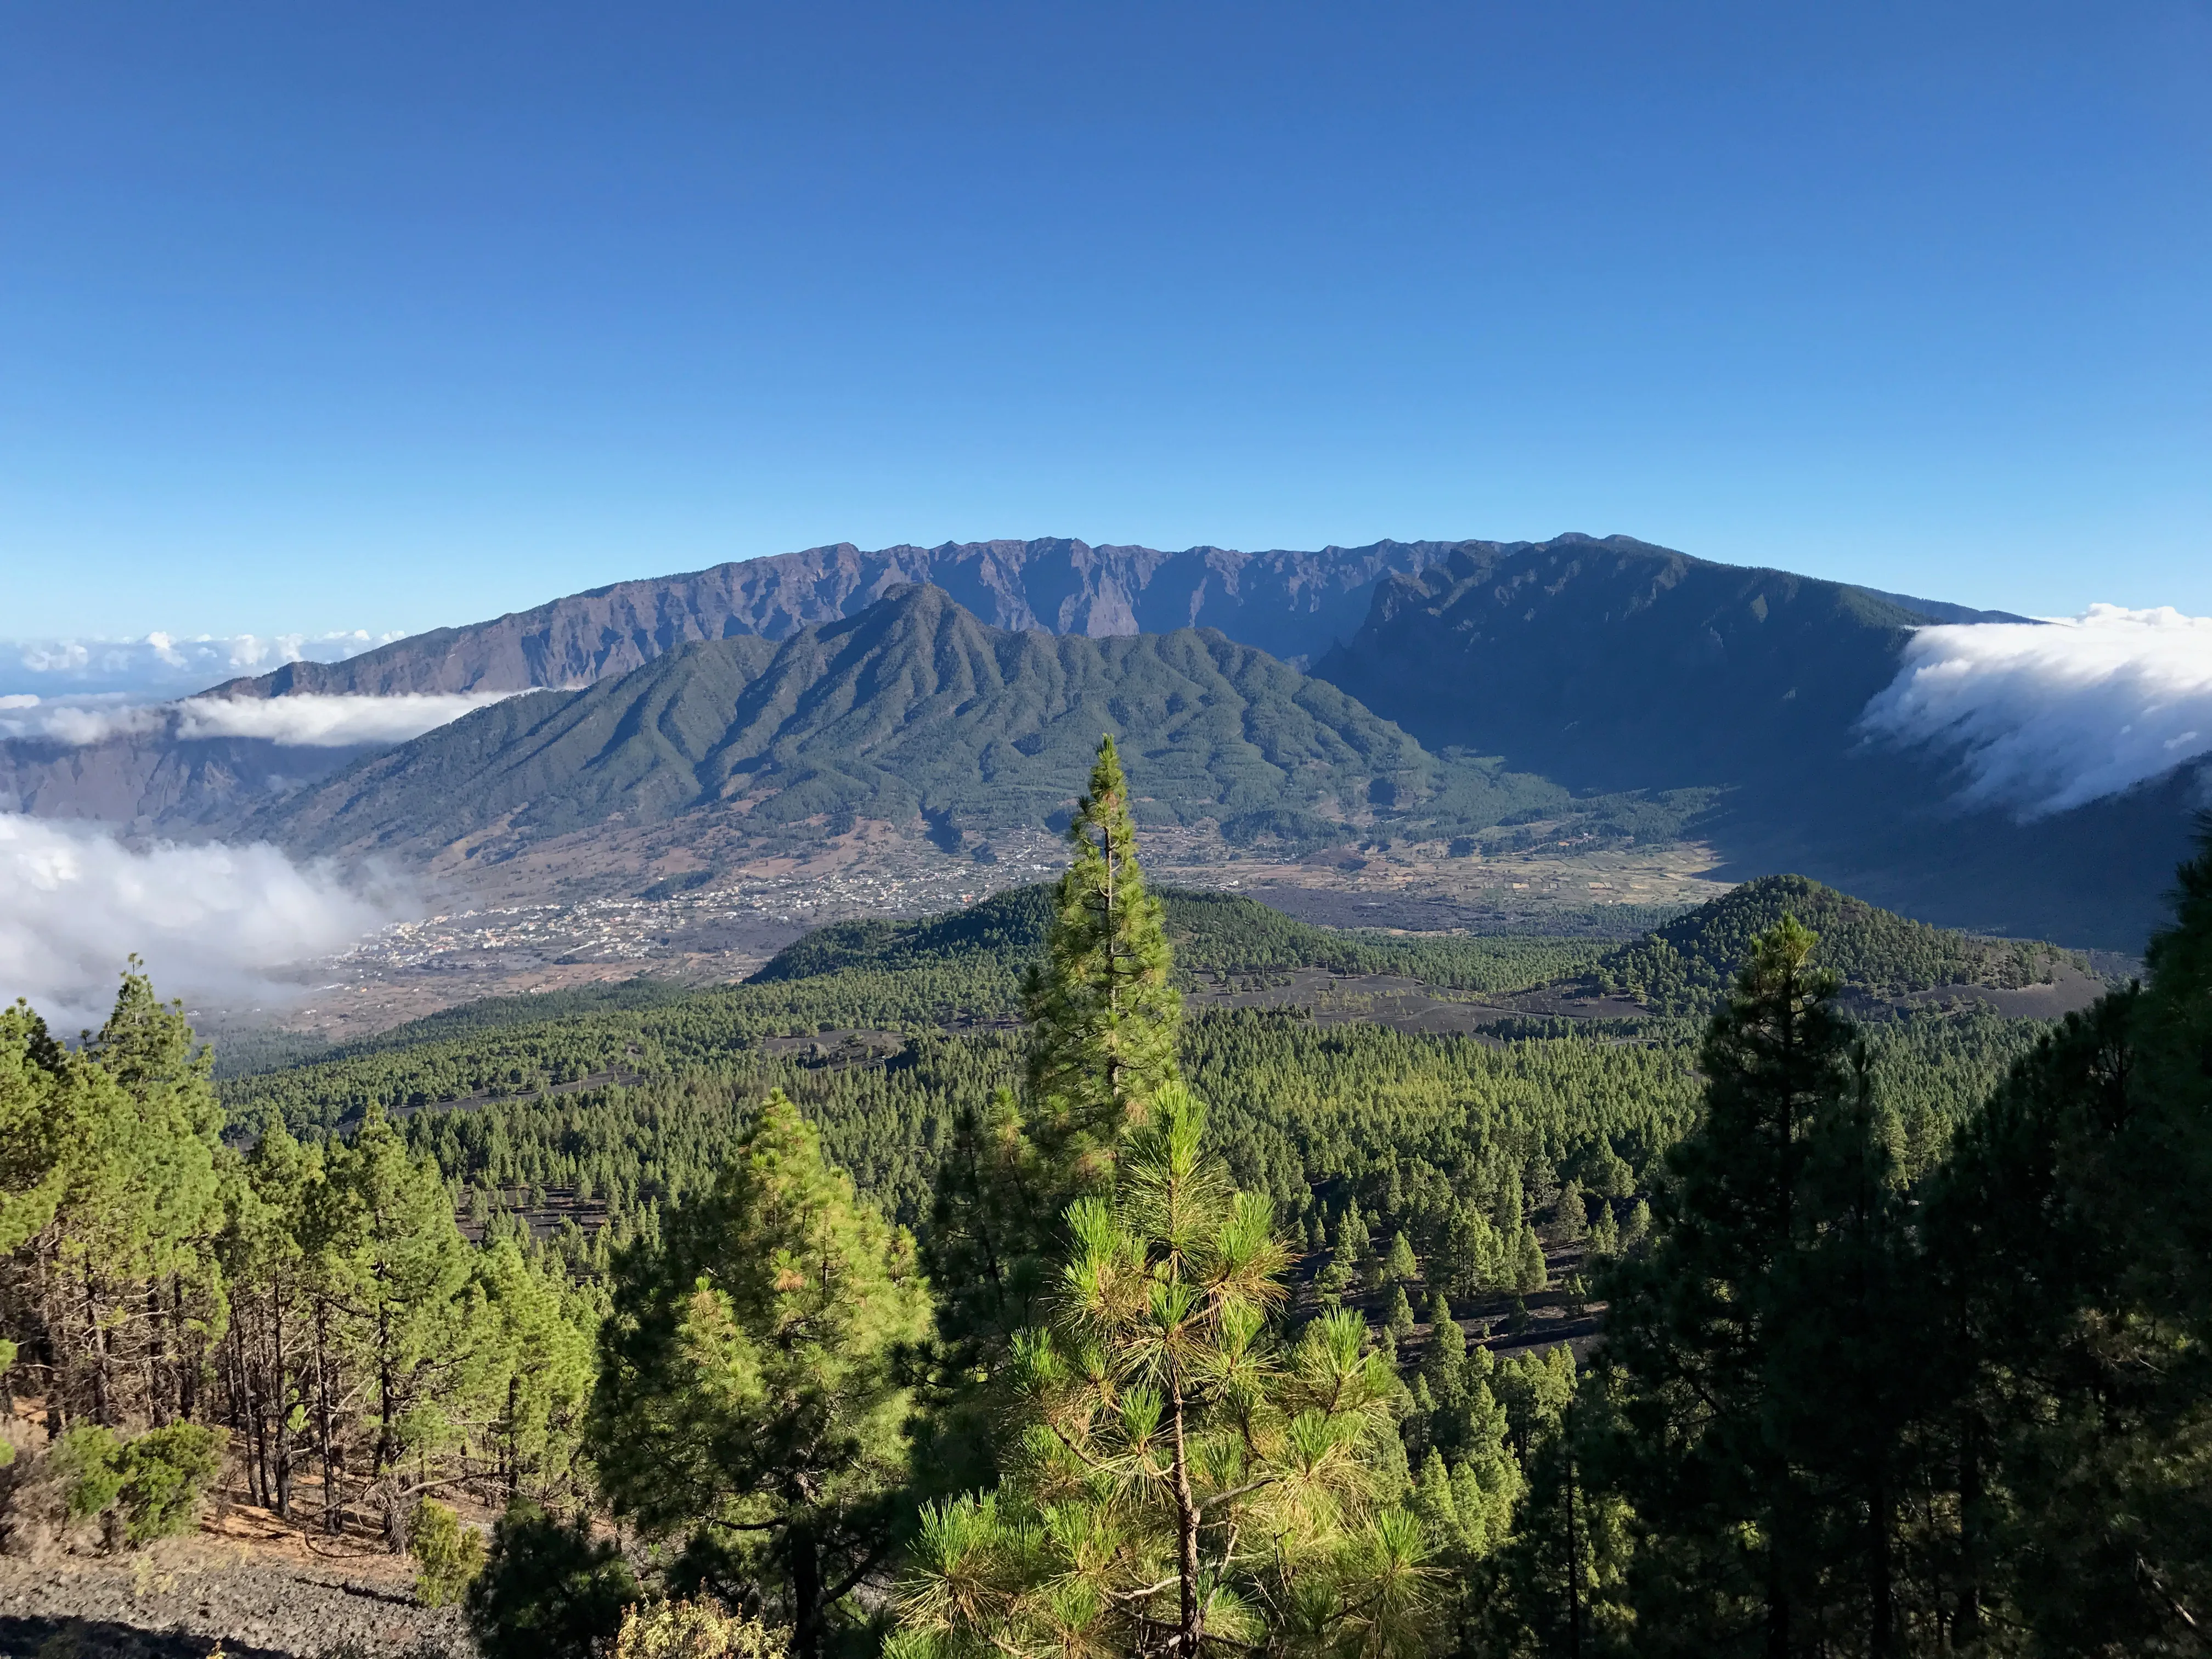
(915, 707)
(1687, 966)
(1212, 932)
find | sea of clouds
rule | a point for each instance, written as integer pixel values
(303, 719)
(159, 665)
(213, 923)
(2044, 717)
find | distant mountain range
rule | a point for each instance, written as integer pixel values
(1294, 606)
(1408, 688)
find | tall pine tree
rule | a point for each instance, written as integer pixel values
(1724, 1419)
(1104, 1020)
(1103, 1013)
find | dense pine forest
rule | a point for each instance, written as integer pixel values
(999, 1285)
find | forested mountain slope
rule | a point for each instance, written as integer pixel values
(915, 707)
(154, 778)
(1211, 933)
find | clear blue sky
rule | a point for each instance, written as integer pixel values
(328, 316)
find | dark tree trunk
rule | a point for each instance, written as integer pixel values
(1882, 1638)
(806, 1608)
(1966, 1628)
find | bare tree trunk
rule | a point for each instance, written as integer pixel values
(248, 1413)
(189, 1354)
(333, 1521)
(96, 1341)
(157, 1360)
(281, 1399)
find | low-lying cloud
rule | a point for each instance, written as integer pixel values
(163, 664)
(2052, 716)
(211, 922)
(315, 721)
(304, 719)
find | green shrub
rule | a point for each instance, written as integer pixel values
(548, 1590)
(152, 1484)
(448, 1556)
(164, 1474)
(91, 1460)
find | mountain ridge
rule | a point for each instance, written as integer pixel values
(1291, 604)
(916, 709)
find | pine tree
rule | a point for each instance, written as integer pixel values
(1639, 1226)
(1531, 1271)
(392, 1259)
(1604, 1235)
(1573, 1216)
(1398, 1316)
(1443, 1363)
(1105, 1018)
(536, 1368)
(1184, 1487)
(1399, 1265)
(751, 1397)
(1467, 1263)
(1727, 1435)
(109, 1184)
(1102, 1008)
(2068, 1233)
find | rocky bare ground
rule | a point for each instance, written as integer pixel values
(253, 1589)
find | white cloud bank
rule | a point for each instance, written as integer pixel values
(304, 719)
(2053, 716)
(162, 665)
(314, 720)
(210, 921)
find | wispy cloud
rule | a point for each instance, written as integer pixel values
(305, 720)
(162, 665)
(2045, 718)
(211, 922)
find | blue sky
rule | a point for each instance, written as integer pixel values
(392, 316)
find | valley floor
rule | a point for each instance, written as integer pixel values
(512, 932)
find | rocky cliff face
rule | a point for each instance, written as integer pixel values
(1290, 604)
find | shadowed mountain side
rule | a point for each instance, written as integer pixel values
(1885, 825)
(1618, 666)
(1615, 666)
(914, 707)
(152, 780)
